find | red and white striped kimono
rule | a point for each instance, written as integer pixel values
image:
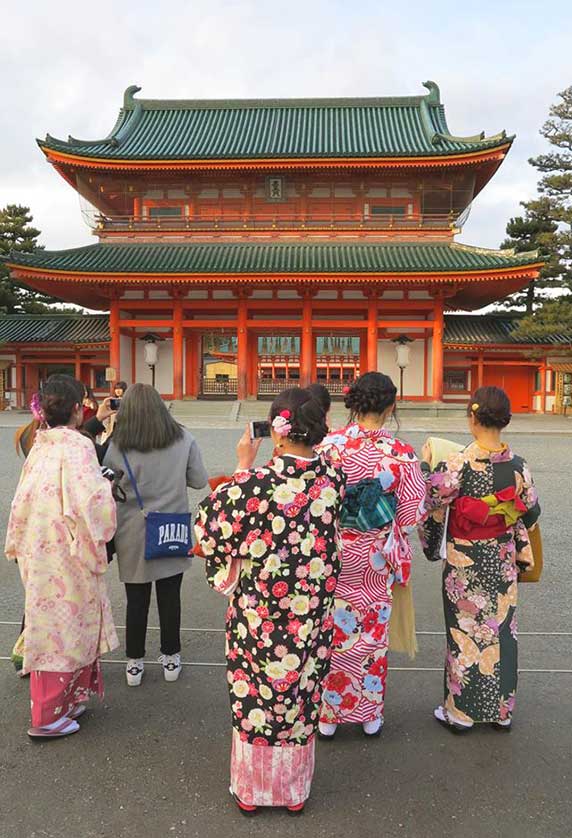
(372, 562)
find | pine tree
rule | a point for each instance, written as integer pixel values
(547, 223)
(552, 318)
(534, 231)
(17, 235)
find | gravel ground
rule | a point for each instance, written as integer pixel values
(154, 761)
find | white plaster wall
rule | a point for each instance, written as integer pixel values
(413, 375)
(125, 358)
(163, 370)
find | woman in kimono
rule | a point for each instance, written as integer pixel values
(270, 539)
(484, 502)
(372, 561)
(61, 517)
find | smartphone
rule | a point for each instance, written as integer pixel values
(114, 404)
(259, 430)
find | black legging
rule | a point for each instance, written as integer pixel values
(169, 603)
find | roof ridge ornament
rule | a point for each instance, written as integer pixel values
(129, 102)
(434, 95)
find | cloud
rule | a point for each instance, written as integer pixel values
(65, 71)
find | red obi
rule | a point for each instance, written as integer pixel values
(475, 518)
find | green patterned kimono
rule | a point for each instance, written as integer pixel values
(480, 580)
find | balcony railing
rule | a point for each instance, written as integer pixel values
(223, 223)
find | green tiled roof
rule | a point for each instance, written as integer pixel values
(49, 328)
(153, 129)
(271, 258)
(54, 328)
(474, 329)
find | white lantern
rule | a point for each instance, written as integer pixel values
(151, 353)
(402, 355)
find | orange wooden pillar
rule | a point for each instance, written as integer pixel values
(307, 347)
(114, 341)
(480, 369)
(242, 349)
(252, 366)
(19, 380)
(438, 331)
(372, 319)
(543, 386)
(77, 365)
(193, 365)
(178, 349)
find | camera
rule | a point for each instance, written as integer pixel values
(114, 404)
(259, 430)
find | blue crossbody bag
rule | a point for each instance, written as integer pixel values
(167, 534)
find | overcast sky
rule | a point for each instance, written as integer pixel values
(64, 68)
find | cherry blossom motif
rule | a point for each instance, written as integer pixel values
(285, 561)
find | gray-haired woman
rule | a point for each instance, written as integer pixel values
(164, 459)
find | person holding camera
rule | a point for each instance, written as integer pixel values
(159, 460)
(269, 536)
(62, 515)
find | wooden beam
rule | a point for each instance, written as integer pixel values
(115, 341)
(438, 331)
(242, 350)
(178, 349)
(372, 333)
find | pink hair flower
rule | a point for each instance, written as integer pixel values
(36, 409)
(346, 390)
(285, 414)
(281, 425)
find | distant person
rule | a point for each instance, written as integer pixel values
(108, 423)
(165, 459)
(269, 536)
(324, 399)
(62, 515)
(376, 553)
(492, 503)
(89, 404)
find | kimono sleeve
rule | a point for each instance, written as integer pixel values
(87, 504)
(411, 495)
(221, 533)
(443, 486)
(529, 496)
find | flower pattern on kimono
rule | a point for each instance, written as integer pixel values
(374, 622)
(347, 626)
(374, 669)
(480, 583)
(280, 616)
(342, 693)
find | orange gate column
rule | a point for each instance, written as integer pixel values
(178, 350)
(114, 341)
(20, 397)
(372, 333)
(438, 330)
(242, 349)
(193, 365)
(307, 347)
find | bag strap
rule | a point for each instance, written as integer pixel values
(133, 483)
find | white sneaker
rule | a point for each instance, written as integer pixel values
(134, 672)
(171, 666)
(373, 727)
(327, 731)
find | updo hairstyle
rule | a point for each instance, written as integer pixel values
(491, 407)
(307, 417)
(372, 392)
(322, 396)
(58, 399)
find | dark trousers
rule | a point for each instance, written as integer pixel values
(169, 603)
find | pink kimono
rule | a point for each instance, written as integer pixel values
(61, 517)
(372, 562)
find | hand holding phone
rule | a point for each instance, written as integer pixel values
(114, 403)
(247, 449)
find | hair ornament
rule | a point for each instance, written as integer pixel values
(346, 390)
(36, 409)
(281, 425)
(285, 414)
(475, 406)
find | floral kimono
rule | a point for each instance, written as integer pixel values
(270, 540)
(61, 517)
(372, 562)
(483, 501)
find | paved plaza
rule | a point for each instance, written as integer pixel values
(153, 762)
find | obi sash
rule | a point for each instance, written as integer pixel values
(486, 517)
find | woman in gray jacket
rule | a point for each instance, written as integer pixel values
(165, 459)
